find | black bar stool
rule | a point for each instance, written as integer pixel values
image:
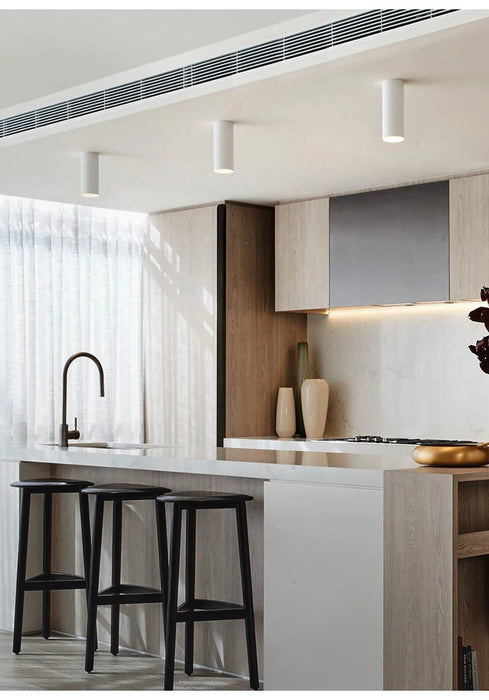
(118, 593)
(48, 580)
(196, 609)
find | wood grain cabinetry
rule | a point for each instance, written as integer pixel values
(260, 345)
(469, 236)
(215, 350)
(436, 577)
(314, 273)
(302, 256)
(180, 278)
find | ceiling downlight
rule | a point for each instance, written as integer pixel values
(89, 174)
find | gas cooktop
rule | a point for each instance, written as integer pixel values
(399, 441)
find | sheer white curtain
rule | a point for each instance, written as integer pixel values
(70, 280)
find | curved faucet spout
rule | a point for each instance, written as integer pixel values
(65, 433)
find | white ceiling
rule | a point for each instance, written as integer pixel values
(303, 134)
(46, 51)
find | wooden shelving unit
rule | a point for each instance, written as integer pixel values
(471, 575)
(436, 575)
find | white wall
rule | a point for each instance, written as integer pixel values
(180, 263)
(402, 371)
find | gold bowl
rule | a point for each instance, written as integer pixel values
(451, 455)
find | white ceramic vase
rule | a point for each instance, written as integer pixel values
(315, 397)
(285, 417)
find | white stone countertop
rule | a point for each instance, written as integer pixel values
(273, 442)
(340, 468)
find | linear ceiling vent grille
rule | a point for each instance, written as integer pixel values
(317, 39)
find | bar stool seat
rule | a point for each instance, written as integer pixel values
(52, 485)
(206, 499)
(118, 593)
(198, 609)
(47, 580)
(125, 492)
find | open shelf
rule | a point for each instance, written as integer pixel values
(473, 544)
(471, 572)
(436, 575)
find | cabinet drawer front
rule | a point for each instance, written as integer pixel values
(323, 587)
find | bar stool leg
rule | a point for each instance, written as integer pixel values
(46, 562)
(85, 533)
(244, 558)
(25, 501)
(94, 583)
(163, 557)
(171, 622)
(116, 574)
(190, 588)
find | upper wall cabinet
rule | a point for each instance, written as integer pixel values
(390, 246)
(469, 236)
(302, 256)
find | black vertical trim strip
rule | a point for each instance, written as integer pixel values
(221, 324)
(449, 183)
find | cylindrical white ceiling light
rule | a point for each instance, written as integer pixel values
(393, 111)
(223, 148)
(89, 174)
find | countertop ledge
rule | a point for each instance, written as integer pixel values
(272, 442)
(339, 468)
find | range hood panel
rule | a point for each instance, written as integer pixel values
(390, 246)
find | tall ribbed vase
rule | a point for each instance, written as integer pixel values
(302, 373)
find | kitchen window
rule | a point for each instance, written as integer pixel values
(70, 280)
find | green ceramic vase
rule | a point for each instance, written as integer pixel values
(302, 373)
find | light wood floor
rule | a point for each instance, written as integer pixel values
(57, 664)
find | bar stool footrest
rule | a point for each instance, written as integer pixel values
(54, 581)
(126, 594)
(207, 610)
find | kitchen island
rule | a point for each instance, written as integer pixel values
(316, 535)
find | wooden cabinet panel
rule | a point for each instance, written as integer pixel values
(261, 345)
(9, 524)
(436, 523)
(180, 300)
(469, 236)
(302, 256)
(418, 573)
(215, 350)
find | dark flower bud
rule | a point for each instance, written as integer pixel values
(481, 349)
(480, 315)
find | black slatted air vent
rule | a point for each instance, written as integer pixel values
(317, 39)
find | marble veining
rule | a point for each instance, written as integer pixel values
(401, 371)
(340, 468)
